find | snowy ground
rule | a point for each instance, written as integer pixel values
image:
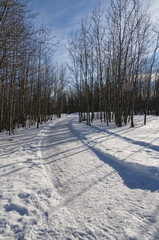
(71, 181)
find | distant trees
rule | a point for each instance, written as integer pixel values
(60, 94)
(110, 57)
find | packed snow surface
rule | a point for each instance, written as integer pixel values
(71, 181)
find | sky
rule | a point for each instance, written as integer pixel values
(63, 16)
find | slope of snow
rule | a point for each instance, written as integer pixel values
(71, 181)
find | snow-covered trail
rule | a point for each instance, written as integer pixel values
(101, 195)
(70, 181)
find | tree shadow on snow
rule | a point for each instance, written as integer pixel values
(134, 175)
(140, 143)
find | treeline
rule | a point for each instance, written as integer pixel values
(30, 85)
(113, 56)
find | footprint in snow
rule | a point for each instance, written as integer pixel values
(14, 207)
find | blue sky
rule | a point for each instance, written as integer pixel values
(63, 16)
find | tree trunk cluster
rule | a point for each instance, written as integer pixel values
(113, 55)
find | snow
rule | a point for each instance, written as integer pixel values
(70, 181)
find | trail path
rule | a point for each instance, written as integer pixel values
(104, 197)
(71, 181)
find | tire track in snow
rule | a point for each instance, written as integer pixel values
(77, 175)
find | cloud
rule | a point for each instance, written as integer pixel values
(63, 16)
(73, 7)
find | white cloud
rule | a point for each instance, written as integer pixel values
(76, 6)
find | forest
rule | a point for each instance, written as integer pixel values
(113, 66)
